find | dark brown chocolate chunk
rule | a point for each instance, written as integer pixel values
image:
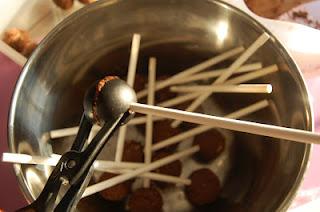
(133, 152)
(87, 1)
(140, 82)
(115, 193)
(145, 199)
(211, 143)
(204, 188)
(28, 49)
(64, 4)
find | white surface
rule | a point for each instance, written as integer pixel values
(313, 9)
(301, 41)
(38, 17)
(12, 54)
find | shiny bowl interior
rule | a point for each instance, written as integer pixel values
(95, 42)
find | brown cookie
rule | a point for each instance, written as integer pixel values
(16, 38)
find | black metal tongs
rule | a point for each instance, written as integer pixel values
(106, 103)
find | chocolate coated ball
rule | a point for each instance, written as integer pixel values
(204, 188)
(145, 200)
(115, 193)
(211, 143)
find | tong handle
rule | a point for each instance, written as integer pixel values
(79, 174)
(83, 133)
(47, 198)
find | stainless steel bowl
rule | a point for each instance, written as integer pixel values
(95, 42)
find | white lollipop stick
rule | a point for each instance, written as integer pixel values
(103, 166)
(158, 177)
(99, 165)
(127, 176)
(149, 124)
(175, 101)
(143, 120)
(183, 98)
(252, 75)
(64, 132)
(30, 159)
(290, 134)
(195, 69)
(223, 77)
(242, 88)
(198, 130)
(178, 100)
(12, 54)
(130, 80)
(237, 80)
(216, 73)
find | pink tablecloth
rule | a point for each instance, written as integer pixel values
(10, 196)
(310, 189)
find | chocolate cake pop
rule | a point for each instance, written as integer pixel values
(133, 152)
(145, 199)
(211, 143)
(115, 193)
(204, 188)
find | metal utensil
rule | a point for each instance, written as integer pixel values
(107, 101)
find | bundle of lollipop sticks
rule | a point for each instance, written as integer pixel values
(222, 82)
